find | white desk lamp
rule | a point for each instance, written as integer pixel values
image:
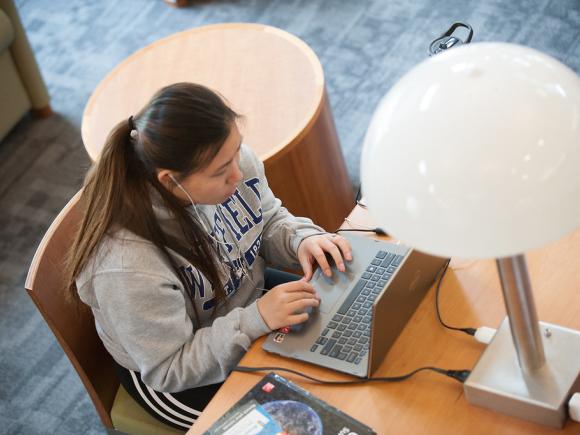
(475, 153)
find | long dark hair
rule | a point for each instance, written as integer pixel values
(181, 129)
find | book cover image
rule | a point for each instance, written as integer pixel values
(276, 406)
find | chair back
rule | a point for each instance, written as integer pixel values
(73, 327)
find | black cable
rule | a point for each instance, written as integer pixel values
(377, 230)
(458, 375)
(469, 331)
(357, 197)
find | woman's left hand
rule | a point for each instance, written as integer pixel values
(313, 250)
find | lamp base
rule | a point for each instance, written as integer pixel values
(497, 382)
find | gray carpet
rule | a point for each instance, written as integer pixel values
(364, 46)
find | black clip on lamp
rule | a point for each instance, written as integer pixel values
(447, 40)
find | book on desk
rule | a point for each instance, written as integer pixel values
(276, 406)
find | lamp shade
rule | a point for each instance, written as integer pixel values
(475, 153)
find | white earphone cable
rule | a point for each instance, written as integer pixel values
(210, 235)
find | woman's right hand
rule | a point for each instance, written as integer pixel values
(284, 305)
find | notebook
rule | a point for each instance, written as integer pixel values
(362, 311)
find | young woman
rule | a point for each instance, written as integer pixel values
(171, 253)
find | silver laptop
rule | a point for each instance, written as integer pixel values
(363, 310)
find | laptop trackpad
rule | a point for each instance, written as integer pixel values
(331, 289)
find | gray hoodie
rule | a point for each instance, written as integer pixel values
(145, 317)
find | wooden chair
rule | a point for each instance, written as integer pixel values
(75, 330)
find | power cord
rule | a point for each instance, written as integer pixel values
(468, 331)
(377, 230)
(361, 228)
(358, 200)
(458, 375)
(483, 334)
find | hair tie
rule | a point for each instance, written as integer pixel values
(133, 131)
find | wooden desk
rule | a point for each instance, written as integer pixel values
(429, 403)
(267, 75)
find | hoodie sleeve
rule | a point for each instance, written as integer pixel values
(282, 231)
(147, 313)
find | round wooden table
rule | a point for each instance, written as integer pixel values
(270, 77)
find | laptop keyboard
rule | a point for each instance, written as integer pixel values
(346, 337)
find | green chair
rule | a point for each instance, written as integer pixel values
(74, 329)
(21, 85)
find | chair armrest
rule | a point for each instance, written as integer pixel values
(24, 59)
(6, 32)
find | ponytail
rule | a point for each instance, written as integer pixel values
(102, 194)
(118, 187)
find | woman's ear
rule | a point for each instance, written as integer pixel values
(164, 176)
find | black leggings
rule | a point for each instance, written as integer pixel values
(180, 410)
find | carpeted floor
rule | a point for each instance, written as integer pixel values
(364, 46)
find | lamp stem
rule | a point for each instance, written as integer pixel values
(521, 311)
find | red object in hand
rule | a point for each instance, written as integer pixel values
(285, 330)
